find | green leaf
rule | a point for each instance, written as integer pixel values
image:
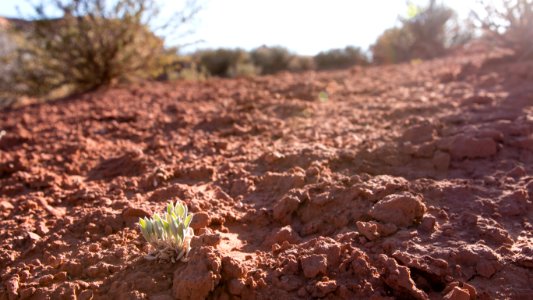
(174, 227)
(170, 208)
(181, 231)
(187, 220)
(179, 210)
(149, 226)
(157, 217)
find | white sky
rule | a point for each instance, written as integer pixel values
(304, 26)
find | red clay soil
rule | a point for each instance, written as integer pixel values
(403, 182)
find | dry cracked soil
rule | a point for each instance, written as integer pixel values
(411, 181)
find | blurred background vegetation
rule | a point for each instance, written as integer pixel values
(89, 44)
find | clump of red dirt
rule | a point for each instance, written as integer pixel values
(407, 182)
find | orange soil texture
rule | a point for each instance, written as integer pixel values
(402, 182)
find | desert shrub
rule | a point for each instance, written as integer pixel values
(510, 25)
(427, 33)
(271, 60)
(92, 43)
(243, 69)
(428, 29)
(9, 41)
(394, 45)
(299, 63)
(340, 58)
(226, 62)
(176, 66)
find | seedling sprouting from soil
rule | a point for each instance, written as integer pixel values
(169, 234)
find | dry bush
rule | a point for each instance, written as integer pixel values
(428, 29)
(9, 41)
(226, 62)
(340, 58)
(428, 33)
(300, 63)
(177, 66)
(394, 45)
(263, 60)
(510, 26)
(271, 60)
(93, 43)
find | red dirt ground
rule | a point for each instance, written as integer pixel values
(406, 182)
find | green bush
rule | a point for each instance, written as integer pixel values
(340, 58)
(427, 33)
(510, 26)
(94, 43)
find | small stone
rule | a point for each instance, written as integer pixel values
(61, 276)
(419, 133)
(470, 147)
(302, 292)
(322, 288)
(399, 209)
(524, 143)
(517, 172)
(313, 265)
(231, 268)
(46, 280)
(284, 208)
(86, 295)
(457, 293)
(441, 160)
(485, 268)
(235, 286)
(428, 223)
(271, 157)
(285, 234)
(108, 230)
(12, 286)
(34, 237)
(134, 213)
(42, 229)
(368, 229)
(94, 247)
(200, 220)
(27, 292)
(5, 206)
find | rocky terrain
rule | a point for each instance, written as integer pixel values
(412, 181)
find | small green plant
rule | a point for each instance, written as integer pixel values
(169, 234)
